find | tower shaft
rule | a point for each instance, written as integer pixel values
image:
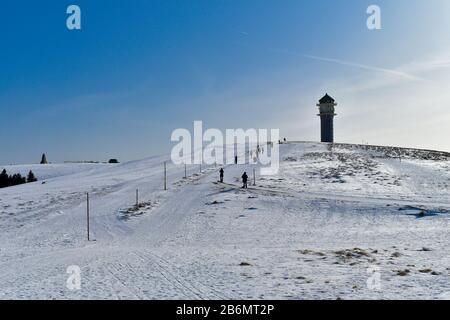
(327, 128)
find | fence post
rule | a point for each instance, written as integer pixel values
(165, 176)
(87, 215)
(137, 198)
(254, 177)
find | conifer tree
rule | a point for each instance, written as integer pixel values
(44, 159)
(17, 179)
(31, 177)
(4, 179)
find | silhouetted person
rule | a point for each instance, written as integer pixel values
(235, 159)
(244, 180)
(221, 175)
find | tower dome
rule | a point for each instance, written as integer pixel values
(326, 99)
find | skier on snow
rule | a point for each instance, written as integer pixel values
(244, 180)
(221, 175)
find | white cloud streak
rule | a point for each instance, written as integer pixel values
(393, 72)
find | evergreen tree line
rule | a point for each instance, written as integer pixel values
(15, 179)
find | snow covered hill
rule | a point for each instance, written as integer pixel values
(49, 171)
(317, 230)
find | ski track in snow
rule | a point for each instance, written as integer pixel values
(310, 232)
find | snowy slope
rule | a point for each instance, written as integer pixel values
(49, 171)
(312, 231)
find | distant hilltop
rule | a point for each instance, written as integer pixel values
(82, 161)
(393, 152)
(110, 161)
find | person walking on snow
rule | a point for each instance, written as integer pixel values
(221, 175)
(244, 180)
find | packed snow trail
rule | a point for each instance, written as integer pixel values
(117, 251)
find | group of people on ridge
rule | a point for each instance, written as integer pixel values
(244, 178)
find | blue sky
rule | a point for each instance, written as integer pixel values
(140, 69)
